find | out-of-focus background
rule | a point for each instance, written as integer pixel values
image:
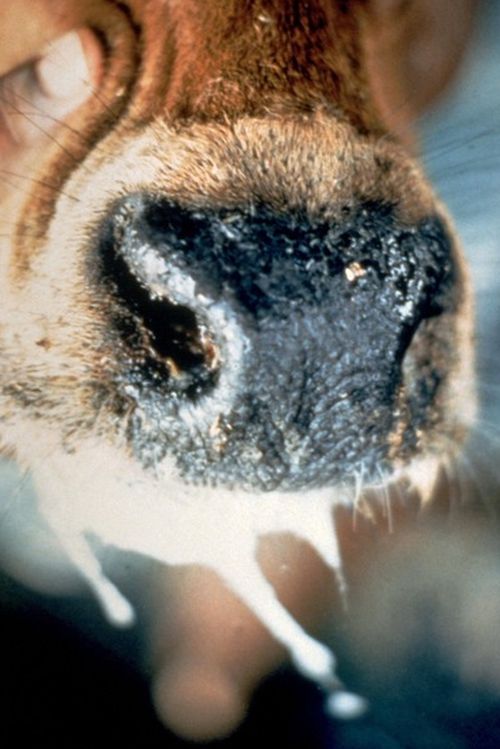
(70, 680)
(461, 142)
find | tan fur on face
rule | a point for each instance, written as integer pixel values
(211, 104)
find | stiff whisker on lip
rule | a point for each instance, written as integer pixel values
(384, 481)
(472, 472)
(237, 321)
(358, 503)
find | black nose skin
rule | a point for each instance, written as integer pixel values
(287, 334)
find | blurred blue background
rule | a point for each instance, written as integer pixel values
(69, 691)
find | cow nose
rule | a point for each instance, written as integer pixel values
(171, 328)
(290, 331)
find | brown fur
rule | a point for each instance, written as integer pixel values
(299, 105)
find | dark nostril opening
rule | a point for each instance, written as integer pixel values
(172, 329)
(166, 338)
(289, 334)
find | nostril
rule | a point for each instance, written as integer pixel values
(269, 349)
(168, 339)
(172, 330)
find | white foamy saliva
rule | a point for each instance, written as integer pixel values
(218, 529)
(346, 705)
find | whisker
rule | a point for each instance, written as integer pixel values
(460, 142)
(490, 428)
(479, 461)
(387, 507)
(19, 188)
(358, 496)
(38, 127)
(41, 182)
(102, 101)
(63, 124)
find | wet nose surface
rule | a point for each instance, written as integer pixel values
(279, 337)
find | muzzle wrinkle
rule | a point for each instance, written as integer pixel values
(325, 311)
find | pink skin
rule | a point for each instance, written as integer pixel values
(209, 651)
(45, 83)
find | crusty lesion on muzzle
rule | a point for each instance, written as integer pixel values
(271, 295)
(273, 351)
